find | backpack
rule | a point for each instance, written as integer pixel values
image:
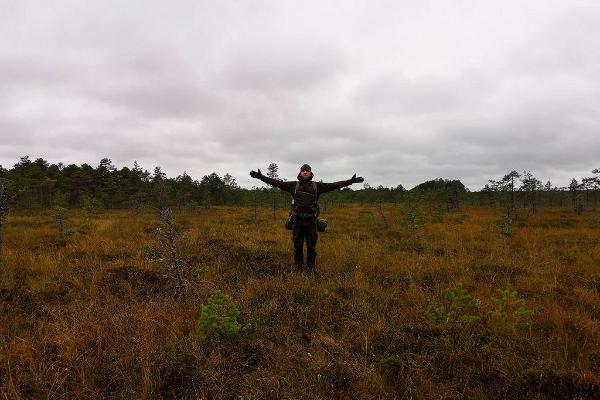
(314, 185)
(321, 223)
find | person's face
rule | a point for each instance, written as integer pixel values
(305, 174)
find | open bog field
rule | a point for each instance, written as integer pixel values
(406, 304)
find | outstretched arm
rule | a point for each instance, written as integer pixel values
(283, 185)
(323, 187)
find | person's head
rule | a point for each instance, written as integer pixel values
(305, 171)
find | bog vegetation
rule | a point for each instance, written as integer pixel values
(435, 292)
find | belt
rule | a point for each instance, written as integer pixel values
(306, 215)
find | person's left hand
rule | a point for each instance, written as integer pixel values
(356, 179)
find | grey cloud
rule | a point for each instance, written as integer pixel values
(395, 92)
(271, 63)
(568, 45)
(154, 97)
(24, 71)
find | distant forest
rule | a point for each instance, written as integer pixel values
(38, 185)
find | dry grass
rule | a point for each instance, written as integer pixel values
(94, 317)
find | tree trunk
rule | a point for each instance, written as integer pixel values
(255, 216)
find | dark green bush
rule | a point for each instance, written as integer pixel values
(219, 317)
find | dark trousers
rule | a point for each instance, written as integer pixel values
(305, 229)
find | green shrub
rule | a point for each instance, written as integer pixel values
(91, 204)
(412, 217)
(192, 207)
(437, 214)
(509, 307)
(219, 318)
(200, 271)
(60, 217)
(462, 307)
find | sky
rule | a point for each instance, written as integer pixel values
(398, 92)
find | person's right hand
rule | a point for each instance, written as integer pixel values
(255, 174)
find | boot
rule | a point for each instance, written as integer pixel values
(310, 270)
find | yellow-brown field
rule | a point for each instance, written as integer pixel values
(94, 317)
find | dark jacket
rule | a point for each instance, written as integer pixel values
(305, 185)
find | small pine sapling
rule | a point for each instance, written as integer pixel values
(413, 220)
(437, 213)
(60, 217)
(219, 318)
(462, 307)
(509, 308)
(176, 265)
(413, 217)
(506, 225)
(192, 207)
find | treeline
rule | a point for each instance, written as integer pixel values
(38, 184)
(515, 189)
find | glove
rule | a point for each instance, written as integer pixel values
(255, 174)
(354, 179)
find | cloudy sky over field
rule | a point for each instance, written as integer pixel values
(397, 91)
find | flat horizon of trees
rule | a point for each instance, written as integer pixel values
(525, 188)
(38, 184)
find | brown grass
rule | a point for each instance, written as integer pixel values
(94, 318)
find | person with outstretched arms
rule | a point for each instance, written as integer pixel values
(305, 210)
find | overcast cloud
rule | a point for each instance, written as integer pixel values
(397, 91)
